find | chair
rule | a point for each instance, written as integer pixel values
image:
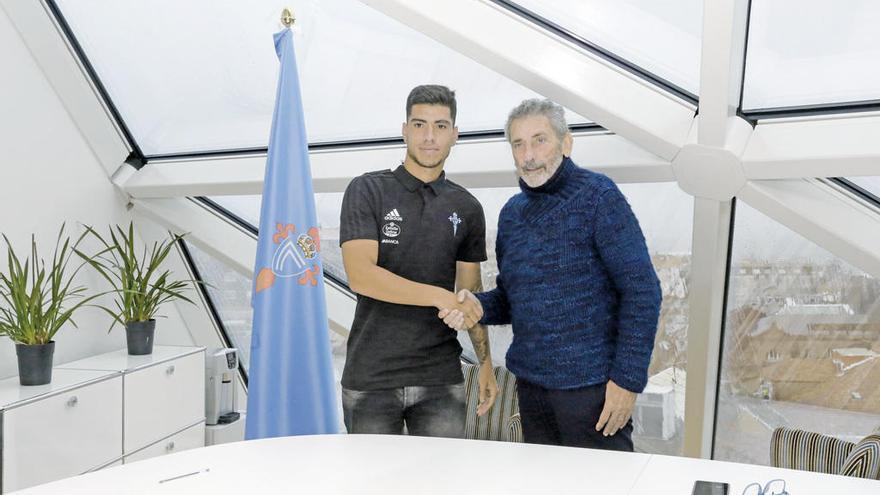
(809, 451)
(502, 422)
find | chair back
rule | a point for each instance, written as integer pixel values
(502, 421)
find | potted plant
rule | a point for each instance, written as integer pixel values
(36, 300)
(140, 287)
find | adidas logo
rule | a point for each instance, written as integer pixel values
(394, 215)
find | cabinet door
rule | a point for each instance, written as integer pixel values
(163, 399)
(106, 466)
(190, 438)
(62, 435)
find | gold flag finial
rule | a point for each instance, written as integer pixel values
(287, 17)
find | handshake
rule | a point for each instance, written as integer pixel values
(461, 312)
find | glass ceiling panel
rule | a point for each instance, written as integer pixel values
(200, 75)
(826, 54)
(661, 37)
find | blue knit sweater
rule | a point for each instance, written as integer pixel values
(576, 281)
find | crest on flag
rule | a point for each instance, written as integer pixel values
(294, 257)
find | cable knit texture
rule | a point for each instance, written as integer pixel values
(576, 282)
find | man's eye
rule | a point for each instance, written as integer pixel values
(542, 140)
(417, 124)
(442, 126)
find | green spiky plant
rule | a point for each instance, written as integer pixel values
(36, 297)
(140, 287)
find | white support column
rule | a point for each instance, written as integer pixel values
(721, 68)
(712, 172)
(708, 274)
(709, 165)
(61, 67)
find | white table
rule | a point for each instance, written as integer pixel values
(676, 475)
(387, 465)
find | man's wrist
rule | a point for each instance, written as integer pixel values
(624, 384)
(440, 298)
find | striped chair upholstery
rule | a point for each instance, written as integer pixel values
(514, 429)
(502, 421)
(864, 460)
(798, 449)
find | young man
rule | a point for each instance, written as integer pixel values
(409, 237)
(576, 281)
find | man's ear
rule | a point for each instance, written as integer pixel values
(567, 143)
(403, 131)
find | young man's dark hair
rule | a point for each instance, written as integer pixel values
(431, 94)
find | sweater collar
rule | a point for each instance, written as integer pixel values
(554, 183)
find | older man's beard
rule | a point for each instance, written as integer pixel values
(537, 180)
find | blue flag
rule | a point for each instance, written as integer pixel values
(291, 388)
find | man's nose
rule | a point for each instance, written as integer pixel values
(429, 135)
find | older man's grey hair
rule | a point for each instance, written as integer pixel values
(536, 106)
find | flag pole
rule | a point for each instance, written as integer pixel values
(287, 17)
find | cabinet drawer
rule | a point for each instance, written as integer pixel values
(163, 399)
(190, 438)
(62, 435)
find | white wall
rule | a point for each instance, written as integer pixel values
(48, 175)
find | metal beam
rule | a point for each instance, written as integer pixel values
(485, 163)
(825, 215)
(840, 146)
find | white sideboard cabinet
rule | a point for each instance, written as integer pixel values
(101, 411)
(65, 428)
(163, 395)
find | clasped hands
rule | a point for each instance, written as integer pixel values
(462, 311)
(465, 311)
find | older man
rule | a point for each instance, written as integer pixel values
(576, 281)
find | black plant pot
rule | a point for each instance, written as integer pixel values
(139, 336)
(35, 363)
